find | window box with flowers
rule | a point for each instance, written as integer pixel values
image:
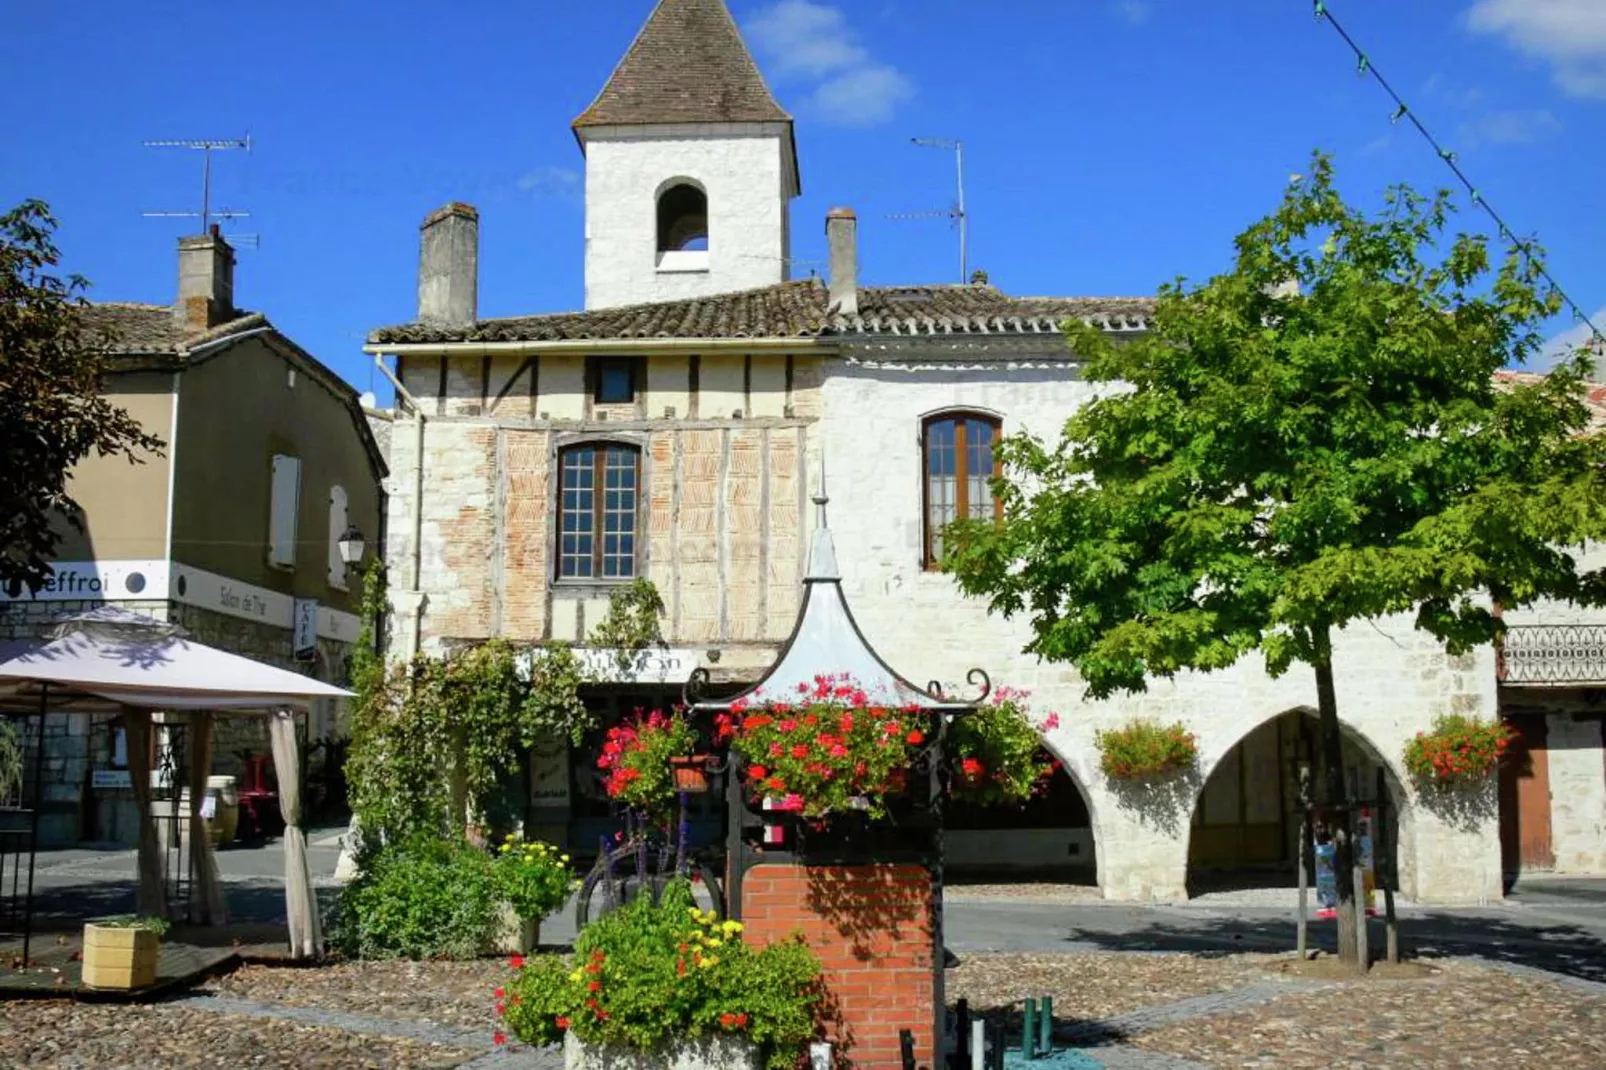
(1146, 750)
(1460, 751)
(666, 984)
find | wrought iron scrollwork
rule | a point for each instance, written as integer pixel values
(935, 689)
(696, 685)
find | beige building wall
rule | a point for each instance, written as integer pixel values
(125, 503)
(236, 410)
(721, 500)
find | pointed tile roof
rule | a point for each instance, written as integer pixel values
(687, 65)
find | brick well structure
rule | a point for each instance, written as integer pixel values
(875, 930)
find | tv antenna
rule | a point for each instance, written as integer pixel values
(956, 214)
(207, 147)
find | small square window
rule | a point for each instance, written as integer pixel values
(615, 379)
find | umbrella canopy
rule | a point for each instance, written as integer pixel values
(110, 656)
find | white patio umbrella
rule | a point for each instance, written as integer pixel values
(110, 659)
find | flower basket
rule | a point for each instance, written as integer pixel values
(641, 761)
(1144, 750)
(1458, 751)
(826, 748)
(691, 774)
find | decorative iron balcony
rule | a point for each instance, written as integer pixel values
(1554, 654)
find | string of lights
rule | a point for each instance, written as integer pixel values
(1364, 67)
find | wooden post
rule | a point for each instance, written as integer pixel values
(1301, 920)
(1386, 870)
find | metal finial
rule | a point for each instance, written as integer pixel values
(820, 496)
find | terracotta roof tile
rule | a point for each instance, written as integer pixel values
(140, 329)
(796, 310)
(1595, 397)
(687, 65)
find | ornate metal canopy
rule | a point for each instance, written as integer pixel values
(826, 641)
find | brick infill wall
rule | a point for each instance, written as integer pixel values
(873, 927)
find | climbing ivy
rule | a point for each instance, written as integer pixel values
(436, 740)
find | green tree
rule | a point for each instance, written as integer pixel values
(1273, 462)
(52, 414)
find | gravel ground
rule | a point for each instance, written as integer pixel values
(1064, 893)
(456, 994)
(1093, 986)
(1462, 1015)
(64, 1035)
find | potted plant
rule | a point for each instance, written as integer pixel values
(1459, 750)
(827, 749)
(122, 952)
(1143, 750)
(665, 984)
(534, 879)
(691, 773)
(637, 758)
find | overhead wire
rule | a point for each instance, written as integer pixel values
(1365, 66)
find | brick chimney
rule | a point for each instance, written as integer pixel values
(842, 235)
(205, 280)
(449, 265)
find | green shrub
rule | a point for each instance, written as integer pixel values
(426, 898)
(148, 922)
(647, 975)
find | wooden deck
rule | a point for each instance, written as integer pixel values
(189, 955)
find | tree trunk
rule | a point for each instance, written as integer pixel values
(1335, 799)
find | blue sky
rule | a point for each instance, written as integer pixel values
(1110, 144)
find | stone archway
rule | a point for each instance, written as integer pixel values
(1244, 830)
(1050, 838)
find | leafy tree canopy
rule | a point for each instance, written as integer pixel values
(52, 414)
(1274, 460)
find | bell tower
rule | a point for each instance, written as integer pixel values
(691, 166)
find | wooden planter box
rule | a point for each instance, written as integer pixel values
(116, 957)
(706, 1053)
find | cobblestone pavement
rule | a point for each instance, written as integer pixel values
(1143, 1011)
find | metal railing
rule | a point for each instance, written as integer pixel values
(1554, 654)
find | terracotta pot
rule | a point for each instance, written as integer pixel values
(119, 957)
(691, 774)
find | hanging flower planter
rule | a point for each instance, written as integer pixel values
(691, 774)
(1142, 750)
(1459, 750)
(640, 762)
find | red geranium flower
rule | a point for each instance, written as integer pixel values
(499, 993)
(562, 1022)
(517, 962)
(499, 1037)
(916, 738)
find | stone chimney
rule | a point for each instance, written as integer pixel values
(449, 265)
(842, 235)
(205, 280)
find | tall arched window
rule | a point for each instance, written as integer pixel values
(959, 462)
(683, 218)
(597, 507)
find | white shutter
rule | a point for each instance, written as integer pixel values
(337, 527)
(283, 511)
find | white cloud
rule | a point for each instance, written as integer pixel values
(549, 181)
(1570, 35)
(864, 96)
(807, 42)
(1510, 127)
(1565, 344)
(1136, 12)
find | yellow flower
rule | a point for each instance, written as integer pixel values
(577, 974)
(565, 858)
(695, 913)
(732, 926)
(715, 943)
(710, 960)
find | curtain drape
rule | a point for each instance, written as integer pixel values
(151, 896)
(206, 889)
(301, 903)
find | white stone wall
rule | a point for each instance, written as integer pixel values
(743, 169)
(1391, 681)
(1577, 794)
